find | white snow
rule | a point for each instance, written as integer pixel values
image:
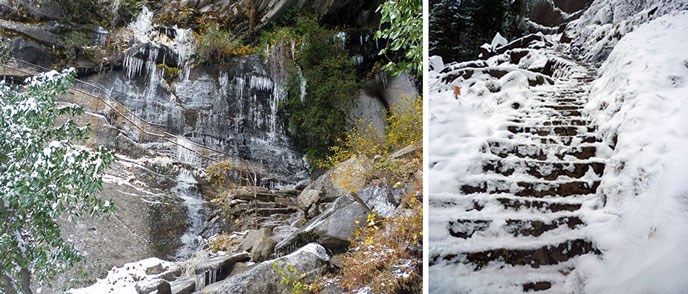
(122, 280)
(638, 101)
(498, 41)
(641, 97)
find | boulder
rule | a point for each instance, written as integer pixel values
(332, 229)
(302, 184)
(216, 268)
(379, 198)
(369, 109)
(308, 198)
(259, 243)
(151, 286)
(399, 91)
(310, 261)
(343, 179)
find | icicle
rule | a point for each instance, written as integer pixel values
(261, 83)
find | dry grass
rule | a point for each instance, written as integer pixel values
(386, 255)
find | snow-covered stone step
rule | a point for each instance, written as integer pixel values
(453, 204)
(572, 122)
(532, 252)
(553, 101)
(551, 130)
(506, 148)
(561, 140)
(560, 107)
(547, 121)
(492, 184)
(544, 169)
(524, 225)
(500, 278)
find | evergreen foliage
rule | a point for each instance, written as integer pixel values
(43, 177)
(458, 28)
(321, 84)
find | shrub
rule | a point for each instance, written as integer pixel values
(218, 174)
(169, 72)
(213, 44)
(362, 139)
(386, 254)
(404, 127)
(405, 124)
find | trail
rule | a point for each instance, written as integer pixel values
(517, 222)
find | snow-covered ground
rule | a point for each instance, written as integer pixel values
(639, 102)
(641, 97)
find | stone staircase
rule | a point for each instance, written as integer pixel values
(518, 224)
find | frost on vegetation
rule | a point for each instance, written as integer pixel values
(43, 176)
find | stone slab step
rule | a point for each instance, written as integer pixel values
(562, 107)
(560, 140)
(498, 203)
(531, 189)
(503, 279)
(548, 122)
(465, 228)
(533, 257)
(550, 112)
(271, 211)
(574, 122)
(540, 152)
(551, 130)
(543, 169)
(184, 286)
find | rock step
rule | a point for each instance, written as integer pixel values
(494, 203)
(536, 286)
(245, 204)
(551, 130)
(531, 189)
(547, 122)
(505, 149)
(543, 169)
(573, 122)
(562, 107)
(271, 211)
(560, 140)
(511, 279)
(562, 101)
(465, 228)
(184, 286)
(533, 257)
(551, 112)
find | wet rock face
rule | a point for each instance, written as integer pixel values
(230, 107)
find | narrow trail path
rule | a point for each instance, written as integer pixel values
(519, 225)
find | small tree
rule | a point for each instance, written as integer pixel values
(405, 35)
(43, 177)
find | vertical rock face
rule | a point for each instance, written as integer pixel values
(231, 107)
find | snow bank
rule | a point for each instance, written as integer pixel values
(640, 102)
(605, 22)
(123, 279)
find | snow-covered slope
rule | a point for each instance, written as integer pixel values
(606, 21)
(641, 98)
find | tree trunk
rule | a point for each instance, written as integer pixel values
(25, 278)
